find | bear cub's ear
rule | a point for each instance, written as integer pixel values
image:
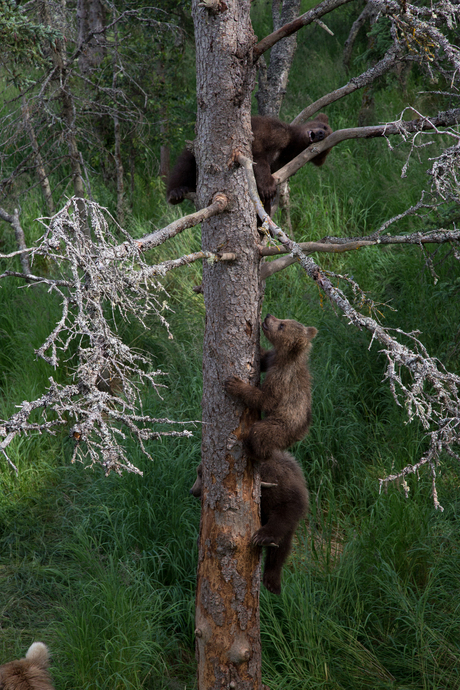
(322, 117)
(311, 332)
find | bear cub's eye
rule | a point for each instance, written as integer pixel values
(281, 326)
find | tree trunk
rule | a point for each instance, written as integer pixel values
(59, 57)
(165, 155)
(39, 165)
(273, 81)
(227, 600)
(132, 169)
(19, 235)
(117, 131)
(91, 23)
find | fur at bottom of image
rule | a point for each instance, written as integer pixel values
(30, 673)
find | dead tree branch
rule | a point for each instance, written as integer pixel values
(288, 29)
(448, 118)
(369, 12)
(20, 240)
(337, 245)
(219, 204)
(433, 394)
(390, 60)
(416, 28)
(416, 37)
(95, 277)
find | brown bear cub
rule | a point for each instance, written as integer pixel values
(283, 502)
(284, 396)
(30, 673)
(275, 143)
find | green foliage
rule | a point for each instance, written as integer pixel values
(380, 40)
(103, 569)
(22, 39)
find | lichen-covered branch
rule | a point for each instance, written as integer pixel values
(100, 281)
(417, 29)
(432, 395)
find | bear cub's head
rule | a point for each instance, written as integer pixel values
(319, 129)
(311, 132)
(287, 335)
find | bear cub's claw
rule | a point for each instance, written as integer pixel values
(268, 191)
(177, 195)
(261, 538)
(233, 385)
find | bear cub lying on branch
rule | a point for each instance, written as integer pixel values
(285, 394)
(274, 145)
(283, 502)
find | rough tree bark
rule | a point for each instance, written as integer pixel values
(91, 23)
(227, 600)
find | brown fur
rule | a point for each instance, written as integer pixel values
(281, 508)
(275, 143)
(284, 396)
(30, 673)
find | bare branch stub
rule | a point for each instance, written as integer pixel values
(433, 394)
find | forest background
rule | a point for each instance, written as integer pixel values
(103, 568)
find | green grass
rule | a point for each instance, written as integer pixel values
(103, 569)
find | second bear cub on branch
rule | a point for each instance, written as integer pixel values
(284, 396)
(275, 144)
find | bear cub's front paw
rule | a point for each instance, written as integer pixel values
(177, 195)
(263, 538)
(233, 385)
